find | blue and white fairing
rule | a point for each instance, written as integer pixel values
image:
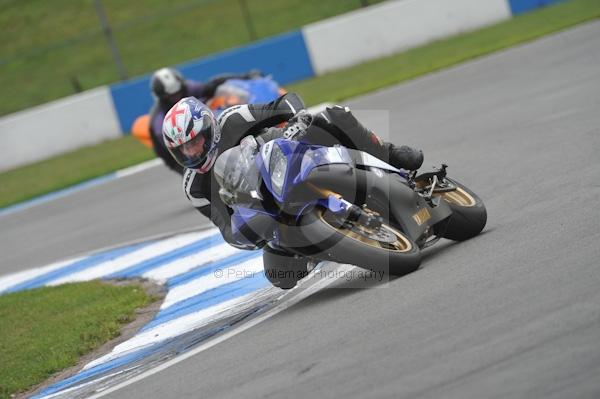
(261, 90)
(249, 91)
(282, 164)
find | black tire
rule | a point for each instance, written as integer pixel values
(469, 215)
(326, 242)
(282, 269)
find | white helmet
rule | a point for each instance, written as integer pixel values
(192, 134)
(167, 84)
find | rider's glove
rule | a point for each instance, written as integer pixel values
(302, 116)
(297, 125)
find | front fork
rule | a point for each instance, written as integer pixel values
(346, 210)
(351, 212)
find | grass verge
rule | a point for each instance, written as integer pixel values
(43, 177)
(48, 329)
(66, 170)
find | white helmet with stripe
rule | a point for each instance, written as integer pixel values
(192, 134)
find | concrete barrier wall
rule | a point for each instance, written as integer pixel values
(56, 127)
(394, 26)
(376, 31)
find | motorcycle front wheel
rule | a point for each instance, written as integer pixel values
(383, 248)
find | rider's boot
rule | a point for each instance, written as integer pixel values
(404, 157)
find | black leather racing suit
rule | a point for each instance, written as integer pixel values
(335, 125)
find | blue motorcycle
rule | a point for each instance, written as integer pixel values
(244, 91)
(310, 203)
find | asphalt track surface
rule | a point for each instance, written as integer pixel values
(514, 312)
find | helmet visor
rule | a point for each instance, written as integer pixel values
(193, 153)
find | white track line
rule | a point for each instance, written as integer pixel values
(17, 278)
(210, 281)
(182, 265)
(132, 170)
(74, 388)
(54, 195)
(122, 262)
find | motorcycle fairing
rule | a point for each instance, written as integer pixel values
(248, 224)
(244, 91)
(317, 156)
(293, 152)
(356, 176)
(385, 193)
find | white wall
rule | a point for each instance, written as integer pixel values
(390, 27)
(56, 127)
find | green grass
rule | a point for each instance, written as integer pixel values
(48, 329)
(46, 44)
(63, 171)
(59, 172)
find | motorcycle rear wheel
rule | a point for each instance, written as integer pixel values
(469, 215)
(383, 249)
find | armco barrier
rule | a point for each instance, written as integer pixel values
(56, 127)
(284, 56)
(390, 27)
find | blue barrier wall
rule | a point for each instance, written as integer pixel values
(521, 6)
(284, 56)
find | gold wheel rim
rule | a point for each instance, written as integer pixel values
(402, 244)
(459, 197)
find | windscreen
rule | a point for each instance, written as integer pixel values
(236, 171)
